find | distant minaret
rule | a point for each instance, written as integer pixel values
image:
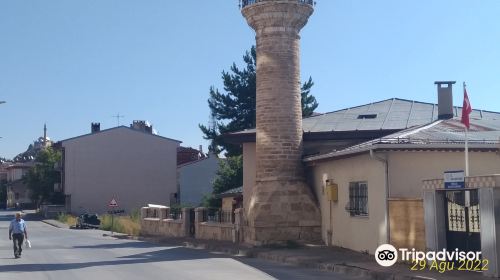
(282, 206)
(45, 132)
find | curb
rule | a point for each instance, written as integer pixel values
(305, 262)
(250, 253)
(55, 224)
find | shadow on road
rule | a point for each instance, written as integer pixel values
(132, 244)
(170, 254)
(10, 215)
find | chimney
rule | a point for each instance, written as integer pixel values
(445, 99)
(149, 129)
(143, 126)
(95, 127)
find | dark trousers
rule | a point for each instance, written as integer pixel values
(18, 239)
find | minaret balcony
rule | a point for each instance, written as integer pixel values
(244, 3)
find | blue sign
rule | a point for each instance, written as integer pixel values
(454, 179)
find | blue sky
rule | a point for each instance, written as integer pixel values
(69, 63)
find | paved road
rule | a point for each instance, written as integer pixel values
(87, 254)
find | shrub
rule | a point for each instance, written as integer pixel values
(66, 218)
(124, 224)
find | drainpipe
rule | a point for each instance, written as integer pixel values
(387, 194)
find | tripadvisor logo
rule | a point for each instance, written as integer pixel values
(386, 255)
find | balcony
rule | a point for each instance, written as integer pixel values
(244, 3)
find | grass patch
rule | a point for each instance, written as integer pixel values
(66, 219)
(124, 224)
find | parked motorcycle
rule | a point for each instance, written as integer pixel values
(86, 220)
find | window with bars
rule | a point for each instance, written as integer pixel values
(358, 199)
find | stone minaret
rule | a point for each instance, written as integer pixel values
(282, 206)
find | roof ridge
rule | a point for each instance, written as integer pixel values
(371, 103)
(392, 99)
(114, 128)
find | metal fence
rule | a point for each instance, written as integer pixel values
(152, 212)
(166, 213)
(244, 3)
(217, 215)
(174, 213)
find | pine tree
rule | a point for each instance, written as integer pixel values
(229, 176)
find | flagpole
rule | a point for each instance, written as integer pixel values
(466, 153)
(466, 148)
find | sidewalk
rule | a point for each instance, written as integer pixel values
(324, 258)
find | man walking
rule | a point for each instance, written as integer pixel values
(17, 233)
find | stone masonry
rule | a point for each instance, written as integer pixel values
(282, 206)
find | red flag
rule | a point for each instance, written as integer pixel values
(466, 109)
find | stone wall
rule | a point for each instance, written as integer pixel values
(154, 223)
(165, 227)
(215, 231)
(212, 230)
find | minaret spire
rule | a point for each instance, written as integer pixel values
(45, 132)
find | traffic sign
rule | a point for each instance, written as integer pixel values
(113, 203)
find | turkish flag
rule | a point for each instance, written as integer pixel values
(466, 110)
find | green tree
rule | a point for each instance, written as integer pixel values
(309, 103)
(229, 176)
(234, 110)
(41, 178)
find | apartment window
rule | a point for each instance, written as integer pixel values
(367, 116)
(358, 199)
(16, 196)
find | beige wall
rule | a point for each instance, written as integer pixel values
(248, 173)
(134, 167)
(23, 195)
(356, 233)
(408, 169)
(16, 173)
